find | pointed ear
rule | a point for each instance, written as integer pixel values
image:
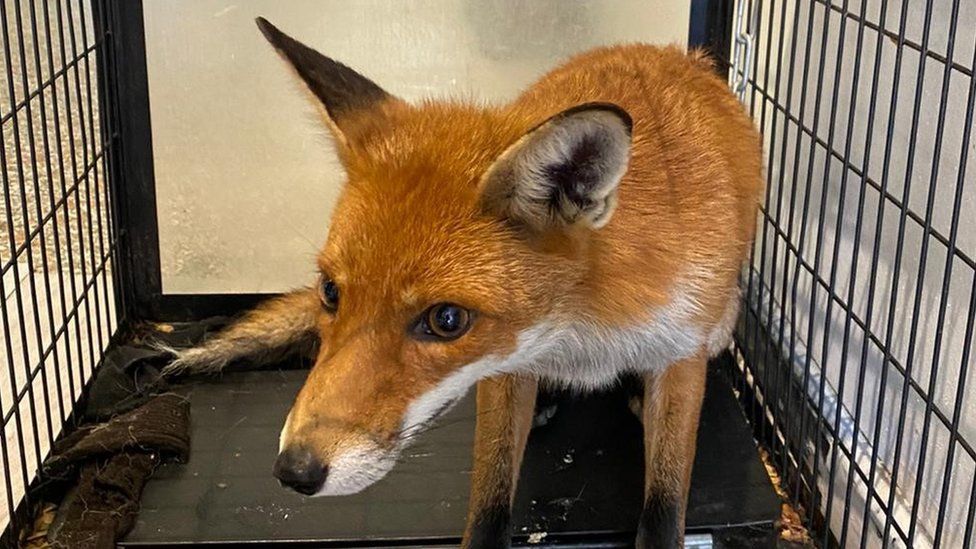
(342, 91)
(564, 172)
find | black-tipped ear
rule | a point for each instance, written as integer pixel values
(563, 172)
(340, 89)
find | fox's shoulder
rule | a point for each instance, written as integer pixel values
(620, 73)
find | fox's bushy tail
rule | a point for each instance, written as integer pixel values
(277, 328)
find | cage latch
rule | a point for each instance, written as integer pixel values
(742, 49)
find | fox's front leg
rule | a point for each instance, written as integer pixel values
(672, 405)
(274, 329)
(505, 408)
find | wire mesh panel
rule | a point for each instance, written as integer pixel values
(856, 343)
(57, 241)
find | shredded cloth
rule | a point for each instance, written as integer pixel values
(127, 377)
(112, 462)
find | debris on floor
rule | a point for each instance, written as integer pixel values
(35, 535)
(791, 528)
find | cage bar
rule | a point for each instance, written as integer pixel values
(888, 347)
(854, 348)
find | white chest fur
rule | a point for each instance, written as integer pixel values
(588, 355)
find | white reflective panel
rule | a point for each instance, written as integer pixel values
(245, 173)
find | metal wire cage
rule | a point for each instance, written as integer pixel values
(59, 247)
(855, 346)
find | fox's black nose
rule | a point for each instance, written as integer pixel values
(299, 470)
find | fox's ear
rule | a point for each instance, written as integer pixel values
(342, 91)
(564, 172)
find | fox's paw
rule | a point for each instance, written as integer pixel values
(661, 525)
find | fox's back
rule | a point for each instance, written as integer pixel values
(687, 204)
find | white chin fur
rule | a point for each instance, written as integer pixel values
(284, 431)
(355, 469)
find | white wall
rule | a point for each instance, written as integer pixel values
(245, 175)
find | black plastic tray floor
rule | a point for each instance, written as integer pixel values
(581, 481)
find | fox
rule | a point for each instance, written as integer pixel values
(593, 227)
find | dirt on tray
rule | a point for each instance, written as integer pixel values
(792, 531)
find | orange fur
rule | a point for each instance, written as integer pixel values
(410, 230)
(407, 231)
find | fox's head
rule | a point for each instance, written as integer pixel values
(459, 229)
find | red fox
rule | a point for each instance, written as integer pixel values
(594, 226)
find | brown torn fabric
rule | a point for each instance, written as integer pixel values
(105, 503)
(113, 461)
(161, 425)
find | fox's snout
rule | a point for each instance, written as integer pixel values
(333, 462)
(336, 461)
(346, 429)
(343, 430)
(345, 472)
(299, 469)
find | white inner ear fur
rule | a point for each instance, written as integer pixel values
(521, 184)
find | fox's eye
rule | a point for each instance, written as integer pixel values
(329, 293)
(444, 322)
